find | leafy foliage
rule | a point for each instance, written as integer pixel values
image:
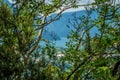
(86, 56)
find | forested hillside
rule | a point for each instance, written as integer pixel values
(27, 40)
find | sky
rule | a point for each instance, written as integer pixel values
(81, 2)
(11, 1)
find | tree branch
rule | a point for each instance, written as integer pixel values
(38, 39)
(84, 61)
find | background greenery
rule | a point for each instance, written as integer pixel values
(86, 57)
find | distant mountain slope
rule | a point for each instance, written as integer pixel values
(60, 29)
(59, 26)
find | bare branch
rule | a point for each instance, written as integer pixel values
(81, 64)
(81, 37)
(38, 39)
